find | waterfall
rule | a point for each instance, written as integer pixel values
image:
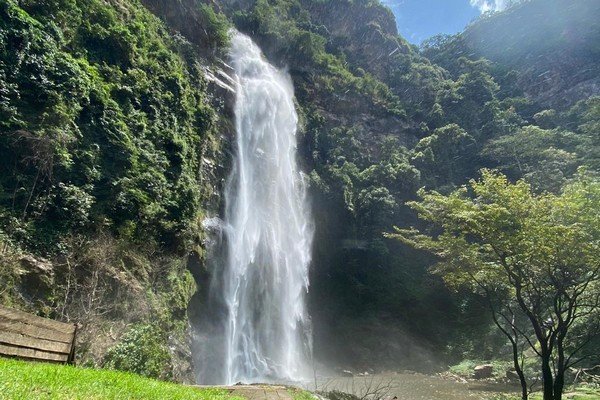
(260, 280)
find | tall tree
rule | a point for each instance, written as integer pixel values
(536, 258)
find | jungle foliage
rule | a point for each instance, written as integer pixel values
(461, 112)
(105, 117)
(103, 121)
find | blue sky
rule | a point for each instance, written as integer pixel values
(421, 19)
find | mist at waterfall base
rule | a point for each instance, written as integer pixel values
(255, 326)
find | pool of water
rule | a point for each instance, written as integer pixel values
(412, 386)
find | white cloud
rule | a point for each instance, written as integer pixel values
(490, 5)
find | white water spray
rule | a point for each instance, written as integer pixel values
(262, 280)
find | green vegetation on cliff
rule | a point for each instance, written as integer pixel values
(460, 112)
(105, 123)
(104, 120)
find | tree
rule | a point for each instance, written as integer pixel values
(535, 258)
(445, 156)
(545, 157)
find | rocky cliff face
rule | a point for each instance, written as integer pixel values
(339, 54)
(364, 31)
(545, 41)
(371, 108)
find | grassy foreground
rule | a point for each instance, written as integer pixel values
(26, 380)
(580, 393)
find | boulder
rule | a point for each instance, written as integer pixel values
(36, 265)
(512, 375)
(483, 371)
(36, 272)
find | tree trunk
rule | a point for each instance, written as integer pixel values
(559, 383)
(514, 341)
(559, 378)
(519, 370)
(547, 378)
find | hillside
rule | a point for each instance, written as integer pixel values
(118, 138)
(109, 136)
(552, 44)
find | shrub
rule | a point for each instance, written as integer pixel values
(142, 350)
(216, 25)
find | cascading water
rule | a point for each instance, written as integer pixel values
(260, 281)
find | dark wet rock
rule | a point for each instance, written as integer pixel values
(483, 371)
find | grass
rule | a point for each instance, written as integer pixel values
(21, 380)
(299, 394)
(27, 380)
(580, 393)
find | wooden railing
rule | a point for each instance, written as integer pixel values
(28, 336)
